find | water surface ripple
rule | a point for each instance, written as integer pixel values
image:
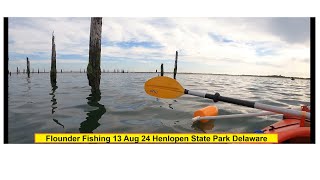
(36, 105)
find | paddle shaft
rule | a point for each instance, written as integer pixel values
(233, 116)
(216, 97)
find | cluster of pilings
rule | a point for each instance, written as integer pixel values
(93, 69)
(174, 70)
(116, 71)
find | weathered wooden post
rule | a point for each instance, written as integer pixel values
(28, 67)
(161, 69)
(44, 70)
(17, 70)
(53, 72)
(175, 66)
(38, 71)
(61, 70)
(93, 69)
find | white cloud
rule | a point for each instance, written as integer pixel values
(192, 37)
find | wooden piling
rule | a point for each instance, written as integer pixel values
(61, 70)
(53, 72)
(175, 66)
(17, 70)
(161, 69)
(28, 67)
(93, 69)
(38, 71)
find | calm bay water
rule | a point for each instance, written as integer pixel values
(35, 105)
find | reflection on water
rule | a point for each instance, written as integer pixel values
(29, 83)
(37, 105)
(54, 101)
(93, 116)
(203, 125)
(56, 121)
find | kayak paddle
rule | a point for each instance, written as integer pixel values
(165, 87)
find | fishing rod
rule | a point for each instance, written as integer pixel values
(166, 87)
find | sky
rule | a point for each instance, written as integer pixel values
(255, 46)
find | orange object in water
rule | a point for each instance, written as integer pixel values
(207, 111)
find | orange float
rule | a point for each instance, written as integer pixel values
(207, 111)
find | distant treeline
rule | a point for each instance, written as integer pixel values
(270, 76)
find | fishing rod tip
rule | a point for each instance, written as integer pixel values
(196, 118)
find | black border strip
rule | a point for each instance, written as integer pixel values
(5, 80)
(313, 77)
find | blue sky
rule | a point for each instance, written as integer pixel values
(261, 46)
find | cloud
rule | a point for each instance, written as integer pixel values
(255, 44)
(291, 30)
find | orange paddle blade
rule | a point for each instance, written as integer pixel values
(163, 87)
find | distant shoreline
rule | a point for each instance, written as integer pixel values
(268, 76)
(272, 76)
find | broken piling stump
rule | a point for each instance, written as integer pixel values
(175, 66)
(53, 72)
(93, 69)
(28, 67)
(161, 69)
